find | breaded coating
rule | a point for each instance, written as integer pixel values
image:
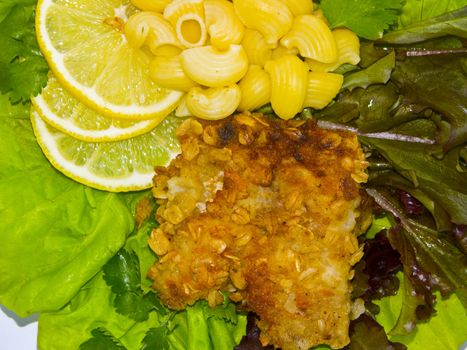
(264, 209)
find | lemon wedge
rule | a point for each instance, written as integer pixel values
(84, 45)
(65, 113)
(116, 166)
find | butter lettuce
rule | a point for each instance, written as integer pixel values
(55, 234)
(92, 321)
(418, 10)
(445, 330)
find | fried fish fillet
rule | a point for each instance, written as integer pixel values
(263, 209)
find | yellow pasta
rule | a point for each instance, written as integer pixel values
(223, 25)
(232, 55)
(256, 49)
(271, 18)
(168, 72)
(348, 51)
(299, 7)
(211, 67)
(348, 46)
(182, 110)
(151, 5)
(313, 38)
(282, 51)
(289, 79)
(322, 88)
(187, 17)
(256, 89)
(319, 13)
(213, 103)
(152, 29)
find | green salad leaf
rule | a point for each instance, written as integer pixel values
(156, 338)
(414, 127)
(445, 330)
(416, 77)
(411, 94)
(23, 70)
(419, 10)
(91, 317)
(101, 340)
(123, 275)
(56, 233)
(430, 259)
(360, 339)
(378, 73)
(436, 178)
(452, 23)
(368, 18)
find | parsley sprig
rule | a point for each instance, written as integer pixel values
(122, 274)
(23, 69)
(368, 18)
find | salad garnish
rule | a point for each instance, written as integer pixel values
(75, 255)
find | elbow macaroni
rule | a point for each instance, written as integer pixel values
(213, 68)
(152, 29)
(348, 46)
(313, 39)
(282, 51)
(348, 51)
(232, 55)
(299, 7)
(187, 16)
(213, 103)
(322, 88)
(271, 18)
(223, 25)
(168, 72)
(256, 48)
(289, 78)
(182, 110)
(255, 88)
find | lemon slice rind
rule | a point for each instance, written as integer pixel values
(134, 182)
(67, 126)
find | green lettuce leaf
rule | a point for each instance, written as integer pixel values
(419, 10)
(92, 310)
(452, 23)
(367, 334)
(432, 89)
(378, 73)
(445, 330)
(436, 178)
(55, 233)
(437, 83)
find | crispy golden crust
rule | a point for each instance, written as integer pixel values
(264, 209)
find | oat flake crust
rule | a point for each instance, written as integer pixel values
(266, 210)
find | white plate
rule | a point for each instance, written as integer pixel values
(17, 333)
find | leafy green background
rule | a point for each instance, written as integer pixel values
(55, 233)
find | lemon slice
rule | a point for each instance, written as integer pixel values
(65, 113)
(84, 45)
(117, 166)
